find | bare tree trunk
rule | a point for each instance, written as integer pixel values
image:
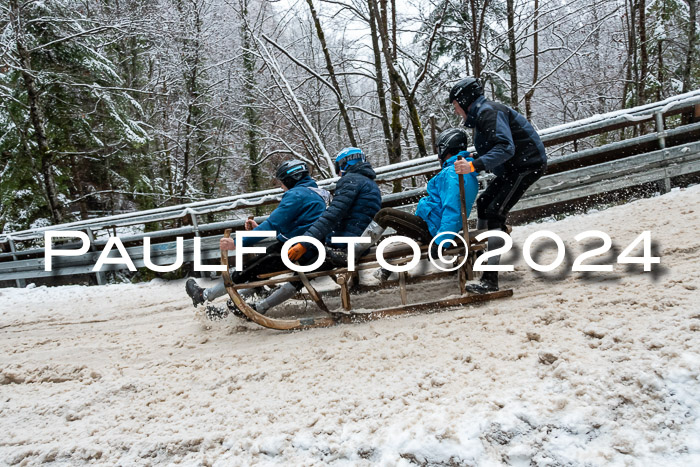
(393, 72)
(536, 63)
(331, 73)
(193, 96)
(250, 114)
(396, 126)
(478, 17)
(660, 72)
(381, 93)
(629, 87)
(512, 56)
(692, 41)
(643, 53)
(79, 190)
(36, 114)
(382, 20)
(167, 168)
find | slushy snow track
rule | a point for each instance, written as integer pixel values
(575, 369)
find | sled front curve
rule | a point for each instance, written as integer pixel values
(262, 320)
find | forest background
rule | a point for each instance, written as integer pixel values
(113, 106)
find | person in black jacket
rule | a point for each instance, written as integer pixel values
(355, 202)
(508, 146)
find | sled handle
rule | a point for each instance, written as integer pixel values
(463, 208)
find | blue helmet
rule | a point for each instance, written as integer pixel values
(348, 157)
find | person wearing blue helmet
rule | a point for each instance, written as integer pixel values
(355, 202)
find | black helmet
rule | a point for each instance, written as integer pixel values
(465, 92)
(450, 142)
(290, 172)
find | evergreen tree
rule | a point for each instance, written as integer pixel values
(72, 116)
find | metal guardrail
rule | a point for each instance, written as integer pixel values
(416, 167)
(551, 189)
(566, 186)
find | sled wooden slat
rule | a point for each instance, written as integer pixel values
(345, 282)
(402, 288)
(402, 310)
(312, 292)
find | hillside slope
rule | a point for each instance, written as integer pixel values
(576, 368)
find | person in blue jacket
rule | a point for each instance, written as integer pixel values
(509, 147)
(301, 205)
(436, 213)
(355, 202)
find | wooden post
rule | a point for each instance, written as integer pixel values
(20, 282)
(463, 209)
(344, 291)
(469, 266)
(101, 278)
(660, 130)
(664, 184)
(465, 272)
(462, 277)
(402, 287)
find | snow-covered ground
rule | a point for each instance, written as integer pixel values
(575, 369)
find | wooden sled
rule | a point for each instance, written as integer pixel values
(346, 280)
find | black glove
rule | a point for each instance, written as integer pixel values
(434, 250)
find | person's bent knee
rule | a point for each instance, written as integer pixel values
(383, 216)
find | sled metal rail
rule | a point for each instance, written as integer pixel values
(558, 186)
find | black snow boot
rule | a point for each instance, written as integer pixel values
(487, 284)
(195, 292)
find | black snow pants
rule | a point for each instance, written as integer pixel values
(502, 193)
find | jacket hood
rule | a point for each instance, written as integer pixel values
(470, 121)
(306, 181)
(362, 168)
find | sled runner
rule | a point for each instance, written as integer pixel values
(348, 280)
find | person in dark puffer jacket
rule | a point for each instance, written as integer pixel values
(355, 202)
